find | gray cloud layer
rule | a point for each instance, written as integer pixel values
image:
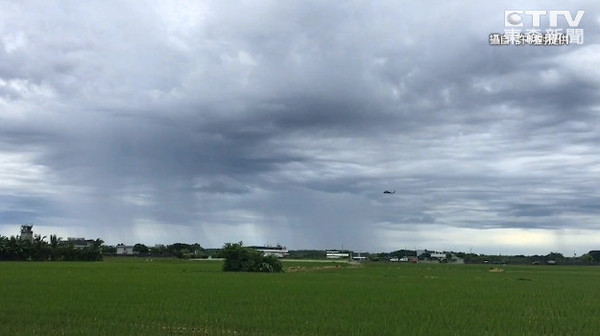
(284, 121)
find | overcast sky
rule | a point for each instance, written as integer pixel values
(284, 121)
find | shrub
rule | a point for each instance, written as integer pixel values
(242, 259)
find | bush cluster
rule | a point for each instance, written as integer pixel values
(242, 259)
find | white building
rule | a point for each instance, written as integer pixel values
(433, 254)
(278, 251)
(357, 256)
(80, 243)
(337, 255)
(123, 249)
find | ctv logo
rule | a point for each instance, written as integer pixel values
(515, 18)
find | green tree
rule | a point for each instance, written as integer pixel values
(141, 248)
(555, 257)
(242, 259)
(424, 256)
(55, 241)
(595, 254)
(449, 257)
(3, 247)
(39, 249)
(159, 250)
(271, 264)
(109, 249)
(185, 251)
(17, 249)
(586, 258)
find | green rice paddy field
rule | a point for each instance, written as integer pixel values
(173, 297)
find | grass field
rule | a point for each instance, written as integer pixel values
(171, 297)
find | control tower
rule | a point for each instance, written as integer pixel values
(27, 232)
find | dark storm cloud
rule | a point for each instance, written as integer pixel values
(26, 209)
(284, 122)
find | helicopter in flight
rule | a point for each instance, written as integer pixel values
(389, 192)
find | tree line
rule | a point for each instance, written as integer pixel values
(56, 249)
(177, 250)
(552, 258)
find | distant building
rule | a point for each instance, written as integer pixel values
(278, 251)
(80, 243)
(27, 232)
(438, 255)
(123, 249)
(432, 254)
(357, 256)
(337, 255)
